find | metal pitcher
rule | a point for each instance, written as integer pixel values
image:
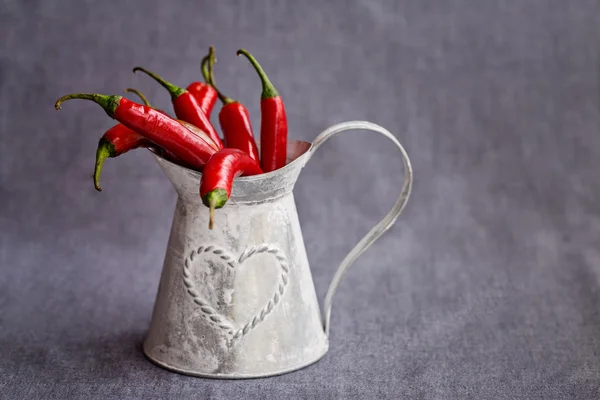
(239, 301)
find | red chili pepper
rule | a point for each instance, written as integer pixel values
(235, 123)
(116, 141)
(186, 107)
(273, 124)
(153, 125)
(203, 135)
(237, 128)
(162, 152)
(205, 92)
(218, 175)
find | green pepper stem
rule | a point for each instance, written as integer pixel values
(212, 59)
(268, 90)
(108, 103)
(224, 99)
(141, 96)
(207, 66)
(204, 69)
(105, 149)
(174, 91)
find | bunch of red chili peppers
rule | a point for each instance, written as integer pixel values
(190, 139)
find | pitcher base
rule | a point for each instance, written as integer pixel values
(233, 375)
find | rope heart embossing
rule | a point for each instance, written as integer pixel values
(234, 332)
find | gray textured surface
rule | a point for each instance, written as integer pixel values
(488, 286)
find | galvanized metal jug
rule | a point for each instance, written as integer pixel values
(238, 301)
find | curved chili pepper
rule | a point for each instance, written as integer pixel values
(118, 140)
(273, 123)
(218, 175)
(153, 125)
(186, 106)
(235, 123)
(204, 92)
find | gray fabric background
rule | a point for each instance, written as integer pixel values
(486, 288)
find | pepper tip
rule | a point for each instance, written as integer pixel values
(211, 218)
(58, 103)
(97, 179)
(105, 150)
(211, 213)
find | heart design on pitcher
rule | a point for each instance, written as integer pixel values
(234, 331)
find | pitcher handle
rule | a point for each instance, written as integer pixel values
(378, 229)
